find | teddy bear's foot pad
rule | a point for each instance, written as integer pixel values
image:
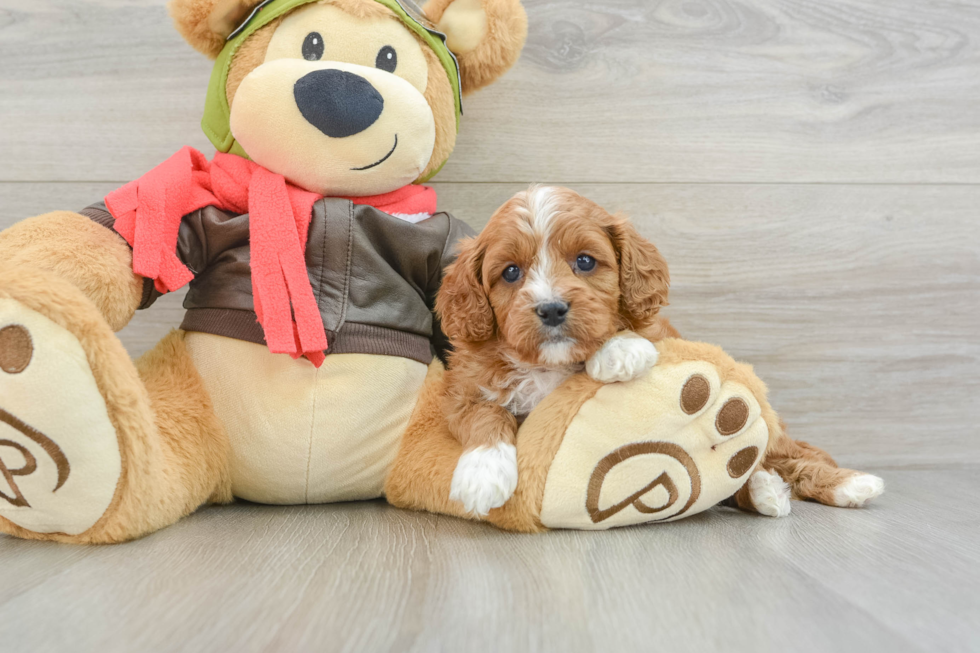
(59, 456)
(665, 446)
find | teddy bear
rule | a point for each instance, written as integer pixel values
(308, 366)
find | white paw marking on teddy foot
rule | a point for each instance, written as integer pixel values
(769, 493)
(858, 490)
(59, 456)
(485, 478)
(622, 358)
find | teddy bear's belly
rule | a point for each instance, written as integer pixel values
(305, 435)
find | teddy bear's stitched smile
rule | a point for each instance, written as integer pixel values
(382, 159)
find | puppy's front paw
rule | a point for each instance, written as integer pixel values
(485, 478)
(622, 358)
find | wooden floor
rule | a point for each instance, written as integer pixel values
(900, 576)
(811, 170)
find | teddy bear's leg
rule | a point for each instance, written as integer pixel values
(95, 449)
(811, 474)
(673, 443)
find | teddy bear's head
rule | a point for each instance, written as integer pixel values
(347, 97)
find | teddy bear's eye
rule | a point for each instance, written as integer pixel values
(313, 46)
(387, 59)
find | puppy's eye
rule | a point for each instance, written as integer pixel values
(511, 273)
(584, 263)
(387, 59)
(313, 46)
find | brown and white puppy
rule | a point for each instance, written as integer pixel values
(554, 285)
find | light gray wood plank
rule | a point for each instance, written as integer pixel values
(857, 304)
(920, 535)
(899, 576)
(617, 90)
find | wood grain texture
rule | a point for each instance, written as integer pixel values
(857, 304)
(811, 171)
(900, 576)
(653, 91)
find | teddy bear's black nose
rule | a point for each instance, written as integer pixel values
(337, 102)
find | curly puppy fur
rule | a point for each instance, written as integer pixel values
(498, 338)
(505, 359)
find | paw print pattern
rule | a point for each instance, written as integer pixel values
(666, 446)
(59, 455)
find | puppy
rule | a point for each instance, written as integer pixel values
(554, 285)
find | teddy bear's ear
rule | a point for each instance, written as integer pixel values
(205, 24)
(485, 35)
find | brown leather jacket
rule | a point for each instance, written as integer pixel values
(374, 276)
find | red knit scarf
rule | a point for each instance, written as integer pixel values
(148, 213)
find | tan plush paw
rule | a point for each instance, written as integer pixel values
(59, 457)
(670, 444)
(622, 358)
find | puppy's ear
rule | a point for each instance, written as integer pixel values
(461, 304)
(643, 276)
(205, 24)
(485, 35)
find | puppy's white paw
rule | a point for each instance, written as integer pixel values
(622, 358)
(485, 478)
(769, 493)
(858, 490)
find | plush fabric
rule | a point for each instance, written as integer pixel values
(633, 454)
(217, 110)
(90, 257)
(148, 213)
(305, 435)
(465, 25)
(71, 475)
(394, 145)
(492, 38)
(439, 93)
(172, 450)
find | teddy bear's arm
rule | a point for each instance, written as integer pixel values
(204, 235)
(94, 259)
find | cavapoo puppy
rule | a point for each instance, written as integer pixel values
(553, 285)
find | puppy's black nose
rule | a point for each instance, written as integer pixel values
(552, 314)
(337, 102)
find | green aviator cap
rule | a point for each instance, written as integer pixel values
(217, 113)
